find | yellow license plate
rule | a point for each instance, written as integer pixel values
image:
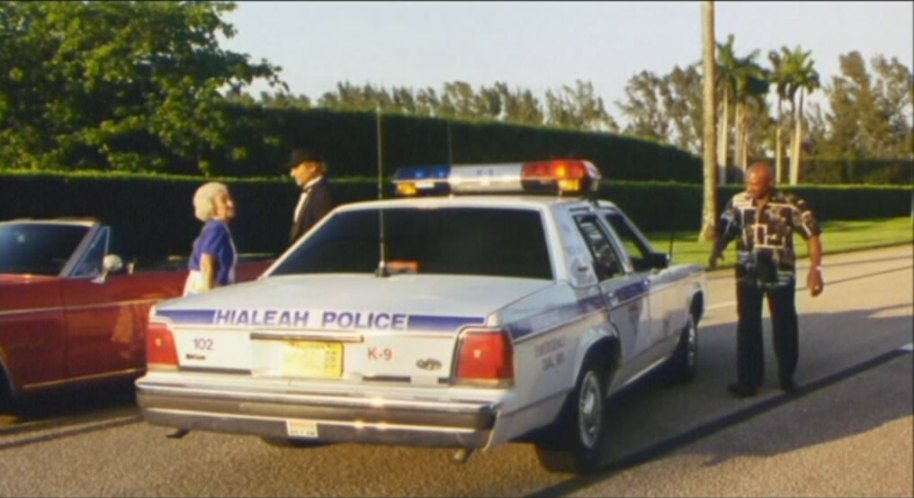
(322, 360)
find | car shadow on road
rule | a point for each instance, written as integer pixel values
(74, 402)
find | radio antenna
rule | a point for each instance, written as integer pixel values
(450, 149)
(382, 244)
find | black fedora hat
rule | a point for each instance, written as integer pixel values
(303, 156)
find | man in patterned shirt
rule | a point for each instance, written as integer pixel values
(763, 220)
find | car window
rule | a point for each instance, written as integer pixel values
(638, 249)
(607, 262)
(38, 249)
(90, 265)
(454, 241)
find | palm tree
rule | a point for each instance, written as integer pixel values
(726, 82)
(779, 79)
(709, 206)
(801, 78)
(751, 86)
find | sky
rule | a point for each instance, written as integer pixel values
(544, 45)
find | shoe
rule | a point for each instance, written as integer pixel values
(741, 391)
(788, 386)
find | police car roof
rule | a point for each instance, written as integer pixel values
(490, 200)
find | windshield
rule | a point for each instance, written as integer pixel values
(38, 249)
(453, 241)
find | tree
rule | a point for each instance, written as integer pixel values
(726, 81)
(125, 85)
(578, 108)
(458, 100)
(666, 109)
(779, 79)
(644, 109)
(683, 101)
(709, 190)
(749, 92)
(870, 114)
(894, 88)
(801, 78)
(280, 100)
(519, 106)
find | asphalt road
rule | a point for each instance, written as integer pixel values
(848, 432)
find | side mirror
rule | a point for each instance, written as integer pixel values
(658, 260)
(110, 264)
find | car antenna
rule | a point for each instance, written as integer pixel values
(381, 271)
(672, 237)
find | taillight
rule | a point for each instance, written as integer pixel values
(161, 353)
(486, 356)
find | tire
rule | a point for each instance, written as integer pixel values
(8, 402)
(574, 443)
(281, 442)
(683, 364)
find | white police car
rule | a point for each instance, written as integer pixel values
(459, 320)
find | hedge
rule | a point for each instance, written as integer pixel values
(154, 214)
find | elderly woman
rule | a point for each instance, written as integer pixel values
(212, 262)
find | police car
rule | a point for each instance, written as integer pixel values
(487, 304)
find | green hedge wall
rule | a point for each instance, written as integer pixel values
(261, 139)
(154, 214)
(868, 171)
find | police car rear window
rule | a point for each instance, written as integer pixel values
(453, 241)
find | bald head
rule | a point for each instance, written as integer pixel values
(759, 180)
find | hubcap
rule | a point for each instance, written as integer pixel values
(590, 409)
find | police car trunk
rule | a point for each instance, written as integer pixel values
(396, 321)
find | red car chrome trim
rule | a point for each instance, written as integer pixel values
(63, 382)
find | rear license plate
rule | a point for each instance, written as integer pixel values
(301, 428)
(322, 360)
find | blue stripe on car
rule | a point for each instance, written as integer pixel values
(189, 317)
(442, 323)
(424, 323)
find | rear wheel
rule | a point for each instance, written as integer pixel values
(575, 442)
(683, 363)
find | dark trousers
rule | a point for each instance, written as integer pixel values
(750, 361)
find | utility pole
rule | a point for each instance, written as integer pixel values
(709, 206)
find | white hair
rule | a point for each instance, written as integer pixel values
(203, 199)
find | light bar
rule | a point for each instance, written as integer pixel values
(559, 176)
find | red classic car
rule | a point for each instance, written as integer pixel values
(71, 312)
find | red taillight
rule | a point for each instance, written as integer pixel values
(161, 352)
(485, 356)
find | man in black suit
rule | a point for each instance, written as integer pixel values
(316, 200)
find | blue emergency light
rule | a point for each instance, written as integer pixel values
(557, 176)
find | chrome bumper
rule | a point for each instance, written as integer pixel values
(337, 418)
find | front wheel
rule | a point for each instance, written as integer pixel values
(683, 363)
(575, 442)
(9, 403)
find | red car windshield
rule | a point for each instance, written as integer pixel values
(38, 249)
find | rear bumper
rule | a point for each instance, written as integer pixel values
(334, 418)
